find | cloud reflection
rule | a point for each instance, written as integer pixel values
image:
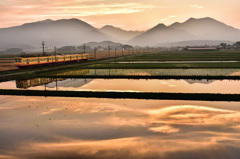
(39, 127)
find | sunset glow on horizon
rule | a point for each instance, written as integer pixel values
(128, 15)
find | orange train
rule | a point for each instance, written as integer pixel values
(22, 62)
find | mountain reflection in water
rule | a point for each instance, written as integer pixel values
(39, 127)
(119, 85)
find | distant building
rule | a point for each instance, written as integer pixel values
(236, 45)
(100, 48)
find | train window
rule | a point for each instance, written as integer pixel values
(19, 60)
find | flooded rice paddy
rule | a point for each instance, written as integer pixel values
(154, 72)
(94, 128)
(44, 127)
(126, 85)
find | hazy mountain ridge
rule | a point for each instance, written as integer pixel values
(76, 32)
(103, 44)
(54, 33)
(208, 29)
(194, 43)
(119, 34)
(161, 34)
(193, 29)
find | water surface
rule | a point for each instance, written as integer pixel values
(126, 85)
(152, 72)
(39, 127)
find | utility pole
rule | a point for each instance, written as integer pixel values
(84, 48)
(55, 53)
(95, 50)
(109, 51)
(43, 46)
(122, 50)
(115, 54)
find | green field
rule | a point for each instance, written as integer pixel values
(203, 60)
(187, 56)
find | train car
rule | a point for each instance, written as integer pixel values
(47, 60)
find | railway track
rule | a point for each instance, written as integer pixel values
(47, 68)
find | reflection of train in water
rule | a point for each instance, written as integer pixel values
(41, 81)
(35, 82)
(47, 60)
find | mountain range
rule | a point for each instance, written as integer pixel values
(76, 32)
(54, 33)
(120, 34)
(206, 29)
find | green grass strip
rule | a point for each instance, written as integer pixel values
(126, 95)
(145, 77)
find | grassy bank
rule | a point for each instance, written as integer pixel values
(145, 77)
(126, 95)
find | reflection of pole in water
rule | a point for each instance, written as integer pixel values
(56, 84)
(95, 71)
(109, 72)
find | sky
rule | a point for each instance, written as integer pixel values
(129, 15)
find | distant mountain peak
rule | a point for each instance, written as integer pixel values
(119, 34)
(205, 19)
(46, 21)
(191, 19)
(206, 28)
(160, 26)
(108, 26)
(61, 32)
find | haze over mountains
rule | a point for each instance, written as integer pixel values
(119, 34)
(54, 33)
(206, 29)
(76, 32)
